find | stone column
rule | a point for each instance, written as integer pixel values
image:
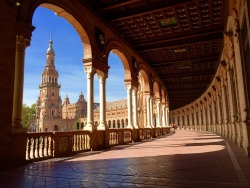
(148, 111)
(163, 115)
(129, 104)
(213, 115)
(21, 44)
(181, 123)
(167, 116)
(208, 117)
(224, 111)
(102, 80)
(151, 112)
(195, 120)
(204, 118)
(218, 123)
(134, 96)
(243, 136)
(199, 119)
(90, 96)
(158, 107)
(190, 120)
(185, 120)
(231, 108)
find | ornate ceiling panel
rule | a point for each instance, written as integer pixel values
(180, 39)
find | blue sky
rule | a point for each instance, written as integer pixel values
(68, 61)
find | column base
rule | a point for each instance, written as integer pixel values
(89, 127)
(136, 127)
(129, 126)
(17, 126)
(148, 126)
(101, 126)
(19, 130)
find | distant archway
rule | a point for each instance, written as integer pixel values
(55, 128)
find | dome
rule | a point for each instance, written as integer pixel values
(50, 49)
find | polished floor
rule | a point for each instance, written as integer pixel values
(182, 159)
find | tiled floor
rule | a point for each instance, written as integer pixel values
(183, 159)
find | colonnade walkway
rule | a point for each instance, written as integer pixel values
(181, 159)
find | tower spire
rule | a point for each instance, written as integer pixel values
(50, 49)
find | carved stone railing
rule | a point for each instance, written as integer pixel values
(113, 137)
(45, 145)
(39, 146)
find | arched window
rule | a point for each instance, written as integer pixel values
(113, 123)
(82, 125)
(118, 123)
(123, 123)
(109, 124)
(55, 127)
(77, 125)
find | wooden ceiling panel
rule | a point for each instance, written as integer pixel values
(180, 39)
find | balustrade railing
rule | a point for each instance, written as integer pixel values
(39, 146)
(113, 137)
(45, 145)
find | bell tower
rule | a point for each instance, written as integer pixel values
(49, 103)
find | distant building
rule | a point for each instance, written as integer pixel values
(54, 115)
(51, 114)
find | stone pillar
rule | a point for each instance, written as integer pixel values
(190, 120)
(21, 44)
(199, 119)
(195, 119)
(213, 115)
(218, 114)
(208, 117)
(243, 137)
(203, 128)
(224, 111)
(163, 115)
(102, 80)
(158, 107)
(90, 96)
(129, 104)
(181, 123)
(185, 120)
(148, 110)
(231, 108)
(151, 112)
(167, 116)
(134, 96)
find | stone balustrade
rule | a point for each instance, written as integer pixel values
(45, 145)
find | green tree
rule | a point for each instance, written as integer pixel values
(29, 113)
(77, 124)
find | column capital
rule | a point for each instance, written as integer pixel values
(101, 75)
(21, 43)
(89, 70)
(158, 100)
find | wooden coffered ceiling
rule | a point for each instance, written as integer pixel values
(180, 39)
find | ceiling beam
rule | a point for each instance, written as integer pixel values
(202, 81)
(116, 5)
(204, 35)
(192, 61)
(150, 9)
(191, 74)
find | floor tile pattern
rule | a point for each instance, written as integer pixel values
(182, 159)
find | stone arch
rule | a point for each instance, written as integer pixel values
(68, 11)
(156, 90)
(163, 96)
(117, 49)
(145, 78)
